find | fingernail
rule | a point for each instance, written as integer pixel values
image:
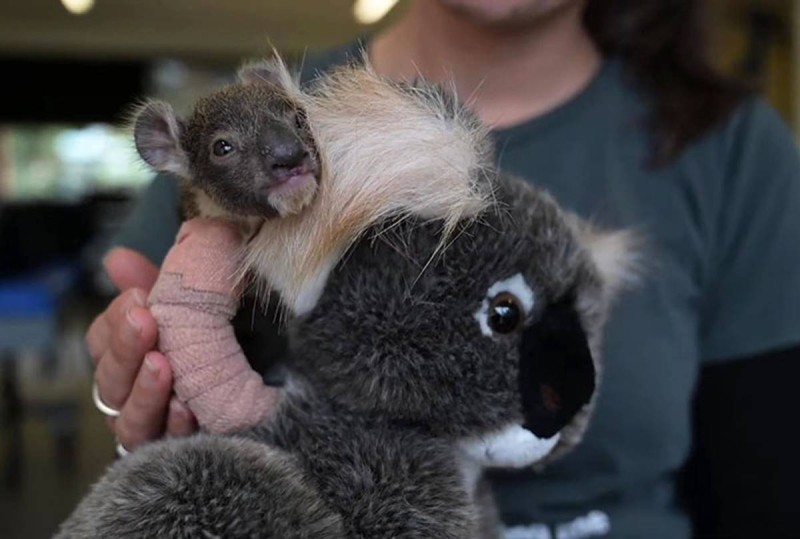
(138, 297)
(132, 319)
(138, 316)
(151, 371)
(133, 328)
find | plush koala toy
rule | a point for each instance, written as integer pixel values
(444, 318)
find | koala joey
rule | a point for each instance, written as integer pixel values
(455, 327)
(246, 151)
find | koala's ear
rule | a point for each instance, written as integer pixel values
(273, 72)
(157, 133)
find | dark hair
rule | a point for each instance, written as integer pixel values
(663, 45)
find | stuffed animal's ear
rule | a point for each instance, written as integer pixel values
(157, 133)
(615, 254)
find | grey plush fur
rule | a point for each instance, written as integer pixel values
(390, 372)
(204, 486)
(397, 374)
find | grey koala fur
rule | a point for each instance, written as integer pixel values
(405, 377)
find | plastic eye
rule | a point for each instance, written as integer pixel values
(506, 314)
(506, 306)
(222, 148)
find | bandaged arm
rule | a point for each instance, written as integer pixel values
(193, 302)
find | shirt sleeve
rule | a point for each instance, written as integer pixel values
(153, 223)
(739, 482)
(752, 300)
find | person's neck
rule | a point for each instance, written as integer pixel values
(505, 75)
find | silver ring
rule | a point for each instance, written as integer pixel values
(100, 405)
(121, 451)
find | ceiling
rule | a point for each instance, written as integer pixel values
(209, 29)
(221, 29)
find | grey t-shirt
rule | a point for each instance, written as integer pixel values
(722, 281)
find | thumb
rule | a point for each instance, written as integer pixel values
(130, 269)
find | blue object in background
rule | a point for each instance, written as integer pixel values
(29, 314)
(29, 308)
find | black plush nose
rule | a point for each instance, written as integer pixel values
(556, 371)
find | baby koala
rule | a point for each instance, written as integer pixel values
(247, 156)
(246, 151)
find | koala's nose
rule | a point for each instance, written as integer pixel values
(286, 157)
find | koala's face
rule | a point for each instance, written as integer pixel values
(490, 341)
(250, 149)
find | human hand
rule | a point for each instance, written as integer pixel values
(131, 376)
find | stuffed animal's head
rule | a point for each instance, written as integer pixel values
(491, 340)
(430, 290)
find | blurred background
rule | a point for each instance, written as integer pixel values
(69, 72)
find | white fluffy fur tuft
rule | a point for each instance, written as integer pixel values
(387, 152)
(616, 255)
(511, 447)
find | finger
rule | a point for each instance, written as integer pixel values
(100, 334)
(130, 269)
(144, 415)
(180, 421)
(134, 333)
(98, 337)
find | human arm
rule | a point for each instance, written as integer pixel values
(744, 472)
(743, 468)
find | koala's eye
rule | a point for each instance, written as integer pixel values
(506, 314)
(222, 148)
